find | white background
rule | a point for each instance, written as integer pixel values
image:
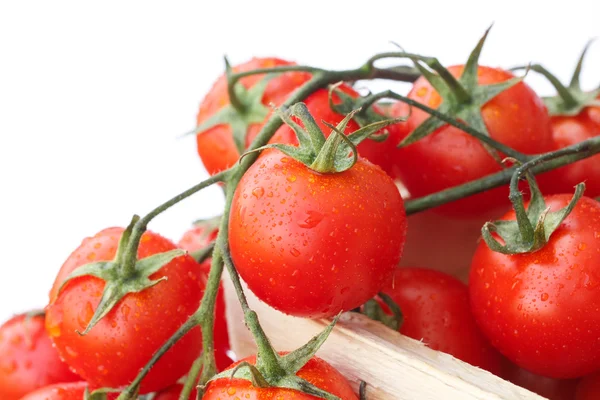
(93, 96)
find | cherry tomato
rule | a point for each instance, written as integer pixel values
(311, 244)
(193, 240)
(588, 388)
(383, 154)
(541, 309)
(216, 146)
(450, 157)
(114, 351)
(568, 131)
(436, 310)
(550, 388)
(173, 392)
(60, 391)
(316, 371)
(27, 359)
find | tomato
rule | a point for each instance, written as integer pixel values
(216, 145)
(27, 359)
(541, 309)
(311, 244)
(383, 154)
(316, 371)
(114, 351)
(550, 388)
(173, 392)
(449, 157)
(567, 131)
(193, 240)
(589, 387)
(436, 310)
(60, 391)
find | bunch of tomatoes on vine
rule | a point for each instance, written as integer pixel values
(462, 214)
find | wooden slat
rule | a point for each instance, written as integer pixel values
(393, 366)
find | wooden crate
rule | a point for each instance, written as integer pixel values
(393, 366)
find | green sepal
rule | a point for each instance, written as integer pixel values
(290, 363)
(240, 119)
(374, 311)
(335, 154)
(462, 99)
(533, 226)
(570, 100)
(364, 117)
(98, 394)
(117, 286)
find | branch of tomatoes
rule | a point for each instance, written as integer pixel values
(231, 178)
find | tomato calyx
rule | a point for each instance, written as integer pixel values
(335, 154)
(462, 98)
(275, 370)
(365, 116)
(121, 279)
(375, 311)
(570, 100)
(244, 109)
(98, 394)
(533, 226)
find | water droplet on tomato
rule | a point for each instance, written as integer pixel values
(295, 252)
(544, 296)
(291, 178)
(582, 246)
(72, 353)
(312, 219)
(258, 192)
(125, 310)
(9, 368)
(231, 391)
(85, 315)
(53, 322)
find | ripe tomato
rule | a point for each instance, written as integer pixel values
(193, 240)
(550, 388)
(114, 351)
(316, 371)
(383, 154)
(541, 309)
(298, 238)
(27, 359)
(450, 157)
(567, 131)
(216, 145)
(173, 392)
(436, 310)
(588, 388)
(60, 391)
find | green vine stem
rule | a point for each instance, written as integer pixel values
(389, 94)
(542, 163)
(192, 378)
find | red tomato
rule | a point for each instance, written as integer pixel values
(568, 131)
(541, 309)
(193, 240)
(383, 154)
(173, 392)
(316, 371)
(436, 310)
(60, 391)
(299, 238)
(27, 359)
(450, 157)
(589, 388)
(216, 146)
(114, 351)
(550, 388)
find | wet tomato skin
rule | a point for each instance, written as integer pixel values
(316, 371)
(436, 310)
(27, 359)
(299, 238)
(542, 309)
(114, 351)
(59, 391)
(216, 146)
(450, 157)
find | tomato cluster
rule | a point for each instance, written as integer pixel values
(317, 225)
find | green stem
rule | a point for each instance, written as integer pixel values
(389, 94)
(203, 254)
(192, 378)
(546, 162)
(130, 255)
(565, 94)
